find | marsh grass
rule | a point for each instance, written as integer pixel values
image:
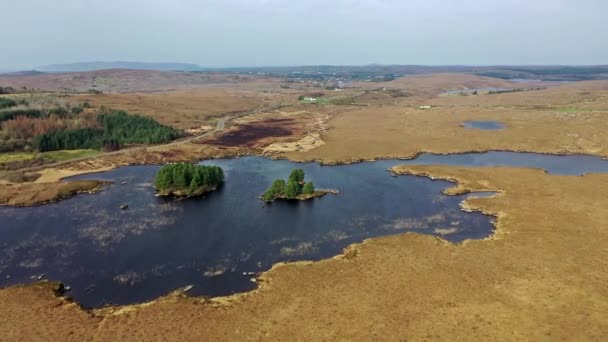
(52, 156)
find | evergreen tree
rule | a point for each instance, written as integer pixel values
(297, 176)
(276, 189)
(197, 182)
(118, 128)
(292, 190)
(162, 179)
(188, 177)
(308, 189)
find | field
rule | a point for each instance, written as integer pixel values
(58, 156)
(55, 156)
(118, 80)
(539, 277)
(186, 109)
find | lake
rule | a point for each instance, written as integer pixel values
(112, 256)
(484, 125)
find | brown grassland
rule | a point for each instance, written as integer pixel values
(121, 80)
(183, 109)
(540, 276)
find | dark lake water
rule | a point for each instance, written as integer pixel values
(484, 125)
(107, 255)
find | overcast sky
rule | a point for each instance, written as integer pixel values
(307, 32)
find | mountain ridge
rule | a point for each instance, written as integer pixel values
(101, 65)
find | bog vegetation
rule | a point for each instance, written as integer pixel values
(185, 179)
(294, 188)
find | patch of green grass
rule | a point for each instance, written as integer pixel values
(308, 101)
(58, 156)
(15, 156)
(53, 156)
(341, 101)
(572, 110)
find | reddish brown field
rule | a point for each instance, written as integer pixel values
(251, 134)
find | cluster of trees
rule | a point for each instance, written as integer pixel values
(187, 179)
(11, 114)
(70, 139)
(294, 187)
(135, 129)
(19, 133)
(25, 127)
(113, 130)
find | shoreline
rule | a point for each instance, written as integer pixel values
(472, 273)
(278, 156)
(304, 197)
(262, 277)
(179, 194)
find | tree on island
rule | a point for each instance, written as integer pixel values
(276, 189)
(185, 179)
(297, 176)
(294, 188)
(308, 188)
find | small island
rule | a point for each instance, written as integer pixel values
(187, 180)
(296, 188)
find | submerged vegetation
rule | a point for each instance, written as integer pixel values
(295, 188)
(185, 179)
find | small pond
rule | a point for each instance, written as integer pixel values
(484, 125)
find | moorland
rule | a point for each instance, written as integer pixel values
(540, 276)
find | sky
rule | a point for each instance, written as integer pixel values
(287, 33)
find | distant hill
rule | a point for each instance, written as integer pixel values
(93, 66)
(22, 73)
(118, 80)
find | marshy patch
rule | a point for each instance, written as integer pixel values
(250, 134)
